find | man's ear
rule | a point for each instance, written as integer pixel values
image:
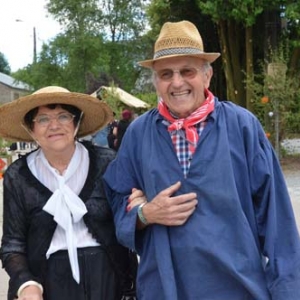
(208, 76)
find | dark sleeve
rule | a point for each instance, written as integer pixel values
(13, 247)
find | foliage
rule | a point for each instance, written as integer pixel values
(160, 11)
(75, 15)
(102, 80)
(235, 20)
(292, 123)
(48, 69)
(123, 19)
(292, 17)
(124, 22)
(292, 32)
(101, 41)
(4, 65)
(150, 98)
(101, 38)
(3, 147)
(113, 100)
(275, 93)
(4, 154)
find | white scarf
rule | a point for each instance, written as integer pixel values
(64, 204)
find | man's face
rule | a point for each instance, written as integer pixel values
(183, 90)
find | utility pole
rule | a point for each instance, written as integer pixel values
(34, 45)
(34, 41)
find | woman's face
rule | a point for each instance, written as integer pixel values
(54, 135)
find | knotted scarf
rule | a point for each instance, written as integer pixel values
(188, 123)
(64, 204)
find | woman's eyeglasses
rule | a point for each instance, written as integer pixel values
(62, 118)
(185, 73)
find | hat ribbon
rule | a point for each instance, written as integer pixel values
(177, 51)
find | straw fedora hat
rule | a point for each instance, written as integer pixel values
(96, 114)
(179, 39)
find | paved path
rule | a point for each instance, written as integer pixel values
(291, 146)
(293, 183)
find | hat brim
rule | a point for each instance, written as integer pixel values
(96, 114)
(210, 57)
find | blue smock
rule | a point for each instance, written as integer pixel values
(242, 240)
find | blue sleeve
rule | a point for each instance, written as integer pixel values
(277, 229)
(120, 177)
(125, 222)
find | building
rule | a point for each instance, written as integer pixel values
(11, 89)
(127, 99)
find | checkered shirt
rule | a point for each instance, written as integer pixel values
(181, 145)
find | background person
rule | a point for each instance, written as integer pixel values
(218, 223)
(59, 238)
(100, 137)
(121, 127)
(110, 136)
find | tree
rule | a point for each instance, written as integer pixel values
(235, 21)
(116, 25)
(236, 27)
(108, 37)
(4, 65)
(160, 11)
(292, 31)
(124, 23)
(78, 46)
(277, 97)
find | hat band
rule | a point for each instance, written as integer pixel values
(177, 51)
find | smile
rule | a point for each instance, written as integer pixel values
(181, 93)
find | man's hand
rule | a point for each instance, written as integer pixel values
(169, 210)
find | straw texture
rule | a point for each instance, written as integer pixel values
(96, 114)
(179, 39)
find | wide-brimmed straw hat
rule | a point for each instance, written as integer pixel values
(179, 39)
(96, 114)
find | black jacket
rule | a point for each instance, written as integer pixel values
(122, 127)
(28, 229)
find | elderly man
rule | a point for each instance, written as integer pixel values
(218, 223)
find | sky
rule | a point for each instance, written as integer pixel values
(16, 37)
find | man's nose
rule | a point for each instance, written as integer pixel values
(177, 76)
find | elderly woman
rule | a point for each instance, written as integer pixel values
(58, 232)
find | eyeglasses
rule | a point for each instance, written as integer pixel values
(185, 73)
(62, 118)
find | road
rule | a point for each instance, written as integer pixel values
(293, 183)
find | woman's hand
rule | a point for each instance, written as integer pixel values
(31, 292)
(136, 198)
